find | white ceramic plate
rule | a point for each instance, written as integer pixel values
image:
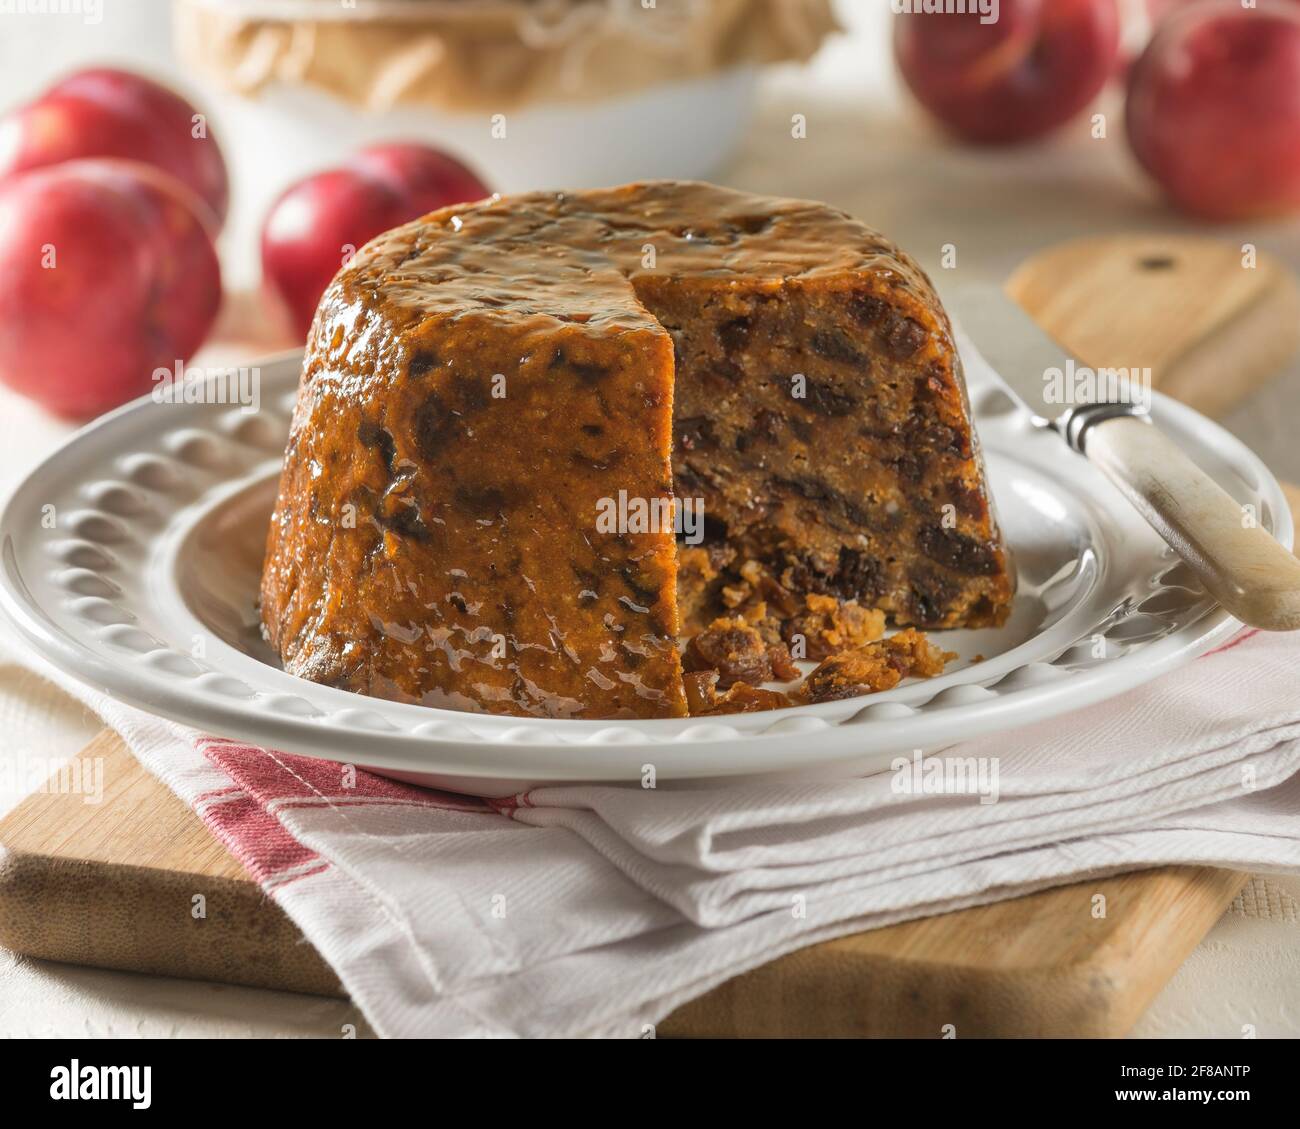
(140, 580)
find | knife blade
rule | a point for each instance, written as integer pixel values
(1104, 415)
(1048, 382)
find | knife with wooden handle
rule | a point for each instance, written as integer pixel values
(1103, 415)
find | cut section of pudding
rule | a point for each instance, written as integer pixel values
(504, 405)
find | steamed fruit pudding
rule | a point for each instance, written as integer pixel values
(481, 383)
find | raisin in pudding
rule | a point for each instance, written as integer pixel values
(481, 383)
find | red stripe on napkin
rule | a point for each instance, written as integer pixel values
(256, 838)
(281, 779)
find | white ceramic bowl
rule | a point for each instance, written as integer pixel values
(681, 130)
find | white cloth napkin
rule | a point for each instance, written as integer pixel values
(597, 910)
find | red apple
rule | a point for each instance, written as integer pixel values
(1214, 109)
(319, 223)
(112, 113)
(107, 273)
(1032, 69)
(1157, 10)
(427, 178)
(315, 227)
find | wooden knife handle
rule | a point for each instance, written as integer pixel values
(1241, 565)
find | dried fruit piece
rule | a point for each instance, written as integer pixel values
(782, 663)
(703, 699)
(739, 654)
(875, 667)
(700, 687)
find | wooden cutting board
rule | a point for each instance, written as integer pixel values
(111, 884)
(1212, 320)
